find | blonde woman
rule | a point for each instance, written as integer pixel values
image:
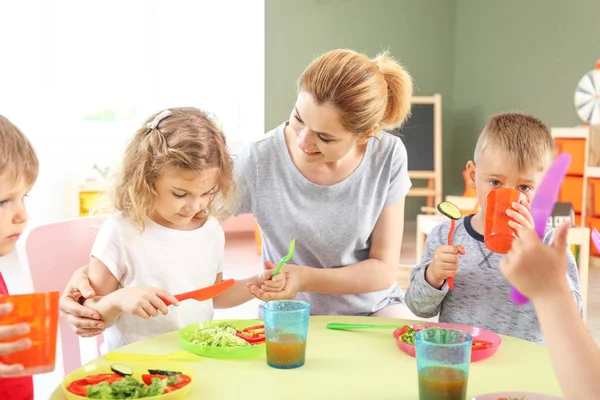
(334, 179)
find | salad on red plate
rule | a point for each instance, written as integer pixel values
(407, 335)
(121, 385)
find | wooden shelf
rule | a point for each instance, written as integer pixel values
(576, 132)
(593, 172)
(421, 192)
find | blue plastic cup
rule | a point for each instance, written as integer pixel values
(286, 329)
(443, 359)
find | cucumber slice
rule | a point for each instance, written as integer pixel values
(450, 210)
(121, 369)
(163, 372)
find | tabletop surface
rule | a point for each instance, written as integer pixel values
(363, 364)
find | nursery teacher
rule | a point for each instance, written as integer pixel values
(331, 178)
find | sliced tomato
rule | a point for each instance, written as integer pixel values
(182, 380)
(78, 387)
(252, 334)
(147, 378)
(479, 344)
(99, 378)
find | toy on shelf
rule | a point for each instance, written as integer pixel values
(560, 213)
(587, 96)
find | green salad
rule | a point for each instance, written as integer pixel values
(222, 335)
(408, 336)
(128, 388)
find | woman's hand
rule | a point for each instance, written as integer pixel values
(9, 332)
(85, 321)
(293, 280)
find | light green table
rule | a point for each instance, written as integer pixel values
(363, 364)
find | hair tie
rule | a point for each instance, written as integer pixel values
(152, 125)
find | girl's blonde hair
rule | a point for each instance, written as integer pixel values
(188, 139)
(367, 93)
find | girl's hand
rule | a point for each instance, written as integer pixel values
(8, 332)
(293, 280)
(145, 301)
(521, 215)
(267, 282)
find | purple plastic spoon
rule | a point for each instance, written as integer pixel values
(543, 203)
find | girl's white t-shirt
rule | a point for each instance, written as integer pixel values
(172, 260)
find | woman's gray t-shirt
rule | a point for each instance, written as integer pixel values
(332, 224)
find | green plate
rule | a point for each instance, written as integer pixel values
(221, 352)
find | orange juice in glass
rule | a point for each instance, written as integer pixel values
(498, 234)
(40, 312)
(286, 330)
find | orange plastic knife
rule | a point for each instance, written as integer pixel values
(205, 293)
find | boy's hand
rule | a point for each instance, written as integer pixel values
(267, 282)
(8, 332)
(521, 215)
(145, 301)
(444, 265)
(534, 268)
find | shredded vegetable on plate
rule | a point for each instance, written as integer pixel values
(127, 388)
(222, 335)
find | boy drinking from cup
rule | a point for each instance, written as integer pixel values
(513, 151)
(18, 172)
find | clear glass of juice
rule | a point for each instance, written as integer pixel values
(286, 330)
(443, 359)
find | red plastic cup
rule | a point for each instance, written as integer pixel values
(499, 235)
(40, 312)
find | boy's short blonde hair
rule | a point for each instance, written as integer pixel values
(17, 157)
(523, 137)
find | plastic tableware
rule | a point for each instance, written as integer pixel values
(40, 312)
(339, 326)
(543, 204)
(286, 331)
(205, 293)
(443, 363)
(516, 395)
(139, 368)
(286, 258)
(477, 333)
(177, 356)
(498, 235)
(451, 211)
(220, 352)
(596, 238)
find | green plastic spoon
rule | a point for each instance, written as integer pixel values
(360, 326)
(286, 258)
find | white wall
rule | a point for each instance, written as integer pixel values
(64, 60)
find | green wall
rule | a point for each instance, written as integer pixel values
(482, 56)
(523, 55)
(419, 33)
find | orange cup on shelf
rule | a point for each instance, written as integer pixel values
(40, 312)
(498, 234)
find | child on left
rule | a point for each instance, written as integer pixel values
(164, 237)
(18, 173)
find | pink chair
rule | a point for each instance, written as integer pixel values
(49, 254)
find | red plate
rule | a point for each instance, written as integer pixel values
(477, 333)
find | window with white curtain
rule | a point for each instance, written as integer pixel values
(79, 77)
